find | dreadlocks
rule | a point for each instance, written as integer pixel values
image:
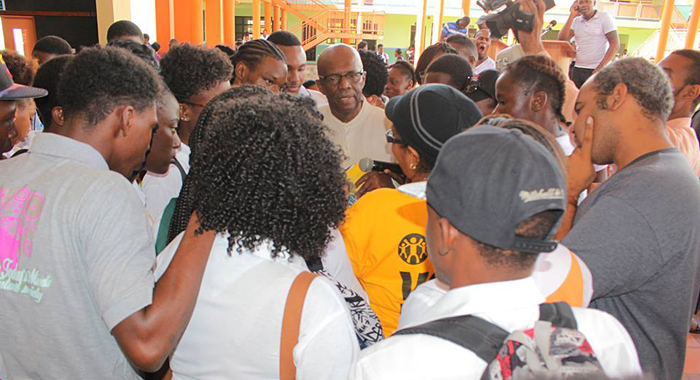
(252, 52)
(540, 73)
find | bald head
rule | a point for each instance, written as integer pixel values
(339, 59)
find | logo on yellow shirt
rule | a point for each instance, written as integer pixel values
(413, 249)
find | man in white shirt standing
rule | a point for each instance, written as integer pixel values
(596, 36)
(483, 241)
(355, 125)
(482, 40)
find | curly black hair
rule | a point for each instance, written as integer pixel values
(189, 70)
(123, 28)
(185, 201)
(53, 45)
(140, 50)
(266, 172)
(47, 77)
(21, 69)
(377, 73)
(97, 80)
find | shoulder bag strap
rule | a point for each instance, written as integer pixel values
(473, 333)
(560, 314)
(291, 322)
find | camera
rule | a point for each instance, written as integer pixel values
(511, 16)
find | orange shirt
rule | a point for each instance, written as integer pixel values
(683, 137)
(384, 235)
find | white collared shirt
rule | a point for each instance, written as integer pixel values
(363, 136)
(234, 332)
(591, 43)
(512, 305)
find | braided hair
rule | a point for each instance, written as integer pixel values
(406, 68)
(428, 56)
(185, 201)
(265, 172)
(252, 53)
(540, 73)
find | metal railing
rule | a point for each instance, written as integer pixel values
(640, 10)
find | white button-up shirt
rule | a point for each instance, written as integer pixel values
(512, 305)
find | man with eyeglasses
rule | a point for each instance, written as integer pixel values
(355, 125)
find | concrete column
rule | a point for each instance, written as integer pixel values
(214, 22)
(284, 20)
(346, 21)
(268, 16)
(693, 26)
(466, 4)
(665, 26)
(164, 23)
(196, 22)
(420, 30)
(229, 22)
(256, 19)
(181, 20)
(109, 11)
(276, 18)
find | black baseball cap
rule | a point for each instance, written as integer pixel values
(486, 86)
(488, 180)
(427, 116)
(9, 90)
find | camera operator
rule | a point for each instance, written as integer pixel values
(596, 36)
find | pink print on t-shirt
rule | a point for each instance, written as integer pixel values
(19, 215)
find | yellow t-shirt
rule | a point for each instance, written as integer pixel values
(384, 235)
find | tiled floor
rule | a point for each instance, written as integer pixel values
(692, 358)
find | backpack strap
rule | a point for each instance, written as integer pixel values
(473, 333)
(559, 314)
(291, 322)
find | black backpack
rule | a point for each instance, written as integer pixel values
(553, 348)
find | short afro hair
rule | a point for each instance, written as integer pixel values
(284, 38)
(464, 42)
(406, 68)
(189, 70)
(265, 173)
(123, 28)
(427, 58)
(140, 50)
(97, 80)
(649, 86)
(458, 68)
(21, 69)
(47, 77)
(377, 74)
(53, 45)
(693, 77)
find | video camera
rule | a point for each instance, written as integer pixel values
(509, 17)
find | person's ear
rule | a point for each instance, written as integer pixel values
(691, 92)
(241, 72)
(410, 85)
(57, 115)
(126, 116)
(538, 101)
(448, 237)
(617, 98)
(185, 113)
(413, 156)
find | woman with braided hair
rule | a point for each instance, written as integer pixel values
(430, 54)
(260, 62)
(533, 88)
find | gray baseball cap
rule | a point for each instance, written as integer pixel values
(488, 180)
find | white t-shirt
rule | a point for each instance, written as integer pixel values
(488, 64)
(591, 43)
(161, 188)
(235, 329)
(337, 263)
(550, 271)
(318, 97)
(363, 136)
(511, 305)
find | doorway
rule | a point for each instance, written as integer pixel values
(19, 33)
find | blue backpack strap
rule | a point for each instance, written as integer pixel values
(473, 333)
(560, 314)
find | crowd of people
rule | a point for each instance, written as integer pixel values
(212, 213)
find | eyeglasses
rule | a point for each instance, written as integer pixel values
(335, 79)
(472, 85)
(393, 140)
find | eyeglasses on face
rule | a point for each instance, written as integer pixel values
(335, 79)
(393, 140)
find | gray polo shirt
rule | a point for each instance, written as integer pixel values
(77, 258)
(639, 233)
